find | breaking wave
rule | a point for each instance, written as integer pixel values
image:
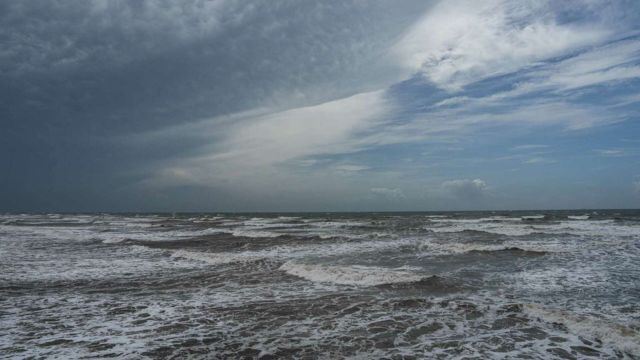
(350, 275)
(216, 258)
(435, 248)
(617, 335)
(511, 228)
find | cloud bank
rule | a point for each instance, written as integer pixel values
(232, 104)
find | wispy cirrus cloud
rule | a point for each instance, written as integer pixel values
(619, 152)
(498, 41)
(460, 42)
(350, 167)
(257, 144)
(610, 152)
(527, 147)
(539, 160)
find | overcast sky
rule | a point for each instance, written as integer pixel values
(228, 105)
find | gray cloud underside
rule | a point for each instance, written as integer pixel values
(125, 65)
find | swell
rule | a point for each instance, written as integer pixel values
(512, 250)
(217, 258)
(246, 252)
(515, 231)
(518, 249)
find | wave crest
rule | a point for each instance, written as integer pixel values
(619, 336)
(215, 258)
(350, 275)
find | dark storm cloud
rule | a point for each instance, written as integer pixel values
(134, 62)
(74, 74)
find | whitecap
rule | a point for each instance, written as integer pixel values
(572, 227)
(434, 248)
(216, 258)
(254, 233)
(616, 335)
(349, 275)
(533, 217)
(578, 217)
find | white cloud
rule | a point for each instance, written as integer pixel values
(257, 144)
(463, 41)
(600, 65)
(619, 152)
(313, 130)
(466, 189)
(456, 43)
(350, 167)
(535, 98)
(539, 160)
(454, 123)
(610, 152)
(388, 193)
(529, 147)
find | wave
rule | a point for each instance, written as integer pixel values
(114, 233)
(350, 275)
(292, 253)
(533, 217)
(434, 248)
(284, 253)
(514, 249)
(114, 238)
(489, 229)
(617, 335)
(578, 217)
(431, 283)
(476, 220)
(569, 227)
(275, 227)
(216, 258)
(254, 233)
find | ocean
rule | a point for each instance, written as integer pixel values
(461, 285)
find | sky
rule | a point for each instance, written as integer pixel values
(349, 105)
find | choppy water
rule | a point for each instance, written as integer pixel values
(424, 285)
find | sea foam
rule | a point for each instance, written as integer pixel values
(216, 258)
(349, 275)
(616, 335)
